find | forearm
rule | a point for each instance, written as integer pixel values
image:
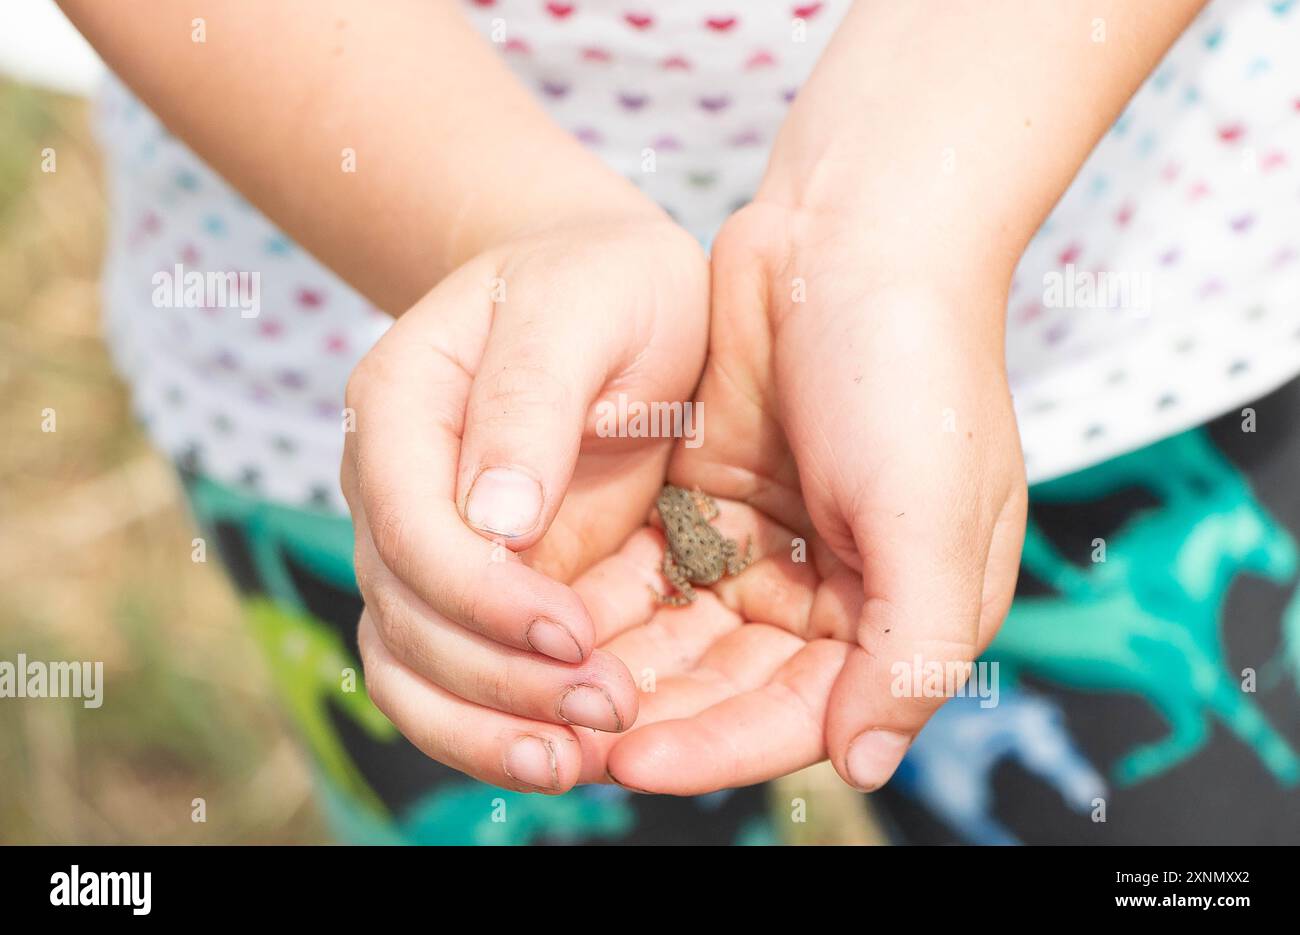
(943, 133)
(452, 154)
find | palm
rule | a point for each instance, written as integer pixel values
(771, 671)
(734, 687)
(606, 502)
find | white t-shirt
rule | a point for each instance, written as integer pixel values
(1163, 290)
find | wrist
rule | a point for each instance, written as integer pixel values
(604, 203)
(817, 263)
(915, 213)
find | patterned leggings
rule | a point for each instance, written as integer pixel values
(1152, 654)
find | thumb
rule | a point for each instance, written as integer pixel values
(524, 419)
(934, 597)
(932, 517)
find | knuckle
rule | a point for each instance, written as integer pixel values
(471, 609)
(388, 531)
(392, 621)
(357, 390)
(377, 369)
(373, 672)
(519, 390)
(362, 570)
(496, 685)
(950, 651)
(375, 691)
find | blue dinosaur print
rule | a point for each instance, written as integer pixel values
(950, 766)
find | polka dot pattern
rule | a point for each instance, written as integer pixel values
(1185, 212)
(1195, 187)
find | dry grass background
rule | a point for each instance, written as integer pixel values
(95, 564)
(95, 557)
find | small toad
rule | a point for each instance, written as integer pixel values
(697, 553)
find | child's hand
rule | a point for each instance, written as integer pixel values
(894, 398)
(476, 411)
(858, 314)
(875, 424)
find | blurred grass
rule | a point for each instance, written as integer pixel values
(95, 557)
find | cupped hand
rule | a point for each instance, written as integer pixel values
(864, 426)
(479, 482)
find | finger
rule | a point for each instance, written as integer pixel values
(485, 588)
(526, 412)
(399, 477)
(597, 693)
(919, 632)
(554, 346)
(618, 591)
(501, 749)
(744, 739)
(674, 640)
(741, 660)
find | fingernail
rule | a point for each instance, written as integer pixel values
(618, 782)
(504, 502)
(873, 756)
(590, 706)
(531, 760)
(551, 639)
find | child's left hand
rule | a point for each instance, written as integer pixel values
(865, 439)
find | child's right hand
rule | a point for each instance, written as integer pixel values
(478, 483)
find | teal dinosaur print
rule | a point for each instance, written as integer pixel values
(1147, 620)
(1287, 661)
(308, 661)
(320, 542)
(470, 813)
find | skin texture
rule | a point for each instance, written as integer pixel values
(855, 392)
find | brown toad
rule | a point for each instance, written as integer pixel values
(697, 553)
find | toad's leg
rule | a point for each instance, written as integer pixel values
(707, 506)
(677, 578)
(738, 563)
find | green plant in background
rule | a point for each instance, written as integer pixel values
(310, 665)
(27, 122)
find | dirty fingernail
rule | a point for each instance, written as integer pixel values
(531, 760)
(873, 756)
(550, 639)
(504, 502)
(590, 706)
(618, 782)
